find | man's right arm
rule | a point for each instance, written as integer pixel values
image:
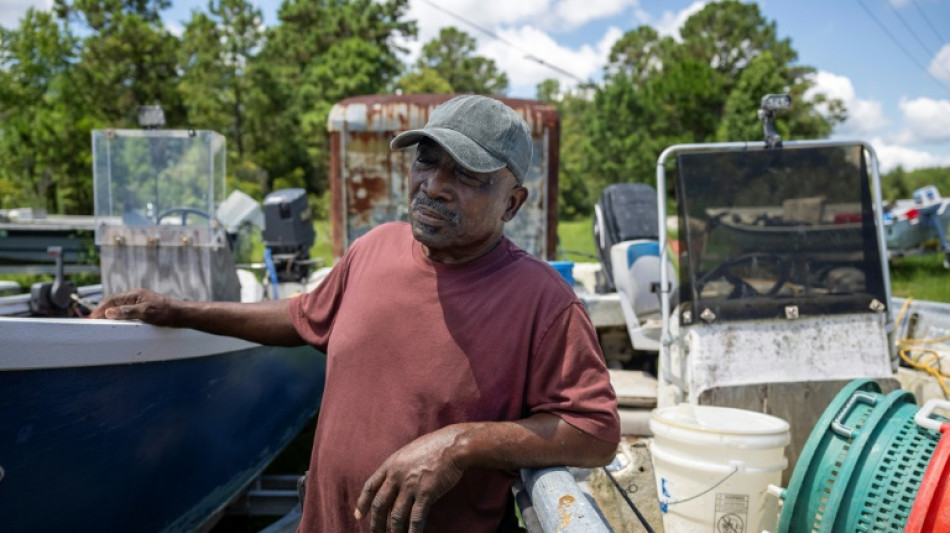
(266, 322)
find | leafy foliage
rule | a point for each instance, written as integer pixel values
(88, 64)
(900, 184)
(450, 58)
(658, 92)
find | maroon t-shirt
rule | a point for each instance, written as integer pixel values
(415, 345)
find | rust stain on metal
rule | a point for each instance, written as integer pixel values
(369, 181)
(366, 193)
(564, 504)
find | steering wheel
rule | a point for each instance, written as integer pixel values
(185, 211)
(740, 287)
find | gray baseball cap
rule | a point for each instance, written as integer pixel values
(480, 133)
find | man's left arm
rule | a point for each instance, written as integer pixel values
(400, 493)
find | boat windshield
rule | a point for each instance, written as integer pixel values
(764, 230)
(157, 177)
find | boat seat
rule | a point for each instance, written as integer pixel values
(636, 273)
(625, 212)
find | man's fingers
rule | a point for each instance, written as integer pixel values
(379, 509)
(399, 516)
(417, 518)
(123, 312)
(369, 492)
(107, 308)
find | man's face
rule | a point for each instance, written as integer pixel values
(458, 215)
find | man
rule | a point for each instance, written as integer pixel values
(454, 357)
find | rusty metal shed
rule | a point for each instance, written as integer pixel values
(369, 182)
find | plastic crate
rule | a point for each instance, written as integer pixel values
(862, 465)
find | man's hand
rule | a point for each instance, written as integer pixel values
(403, 489)
(401, 492)
(141, 304)
(265, 322)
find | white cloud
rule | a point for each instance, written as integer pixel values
(574, 13)
(925, 120)
(940, 66)
(891, 156)
(524, 73)
(524, 28)
(488, 14)
(899, 3)
(670, 22)
(865, 116)
(175, 28)
(11, 11)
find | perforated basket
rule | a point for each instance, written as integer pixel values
(882, 494)
(862, 465)
(819, 468)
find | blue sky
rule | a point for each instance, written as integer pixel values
(897, 93)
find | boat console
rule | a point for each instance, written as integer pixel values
(156, 194)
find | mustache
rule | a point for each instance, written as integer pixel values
(438, 206)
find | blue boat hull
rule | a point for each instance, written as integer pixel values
(152, 446)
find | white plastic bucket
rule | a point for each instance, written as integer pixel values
(713, 466)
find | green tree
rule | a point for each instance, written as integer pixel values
(129, 59)
(658, 92)
(452, 57)
(424, 80)
(323, 51)
(216, 49)
(900, 184)
(728, 35)
(764, 75)
(575, 187)
(638, 54)
(44, 134)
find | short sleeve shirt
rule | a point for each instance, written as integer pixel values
(413, 345)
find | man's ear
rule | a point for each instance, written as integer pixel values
(516, 198)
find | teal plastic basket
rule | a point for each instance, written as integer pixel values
(883, 494)
(861, 466)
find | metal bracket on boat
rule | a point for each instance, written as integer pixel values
(791, 312)
(185, 241)
(687, 317)
(708, 315)
(877, 306)
(119, 240)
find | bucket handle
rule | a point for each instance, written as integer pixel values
(923, 415)
(733, 468)
(837, 425)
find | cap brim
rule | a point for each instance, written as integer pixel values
(466, 152)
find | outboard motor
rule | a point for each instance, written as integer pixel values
(53, 298)
(288, 235)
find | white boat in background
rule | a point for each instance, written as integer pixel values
(910, 225)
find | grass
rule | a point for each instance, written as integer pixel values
(576, 240)
(922, 277)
